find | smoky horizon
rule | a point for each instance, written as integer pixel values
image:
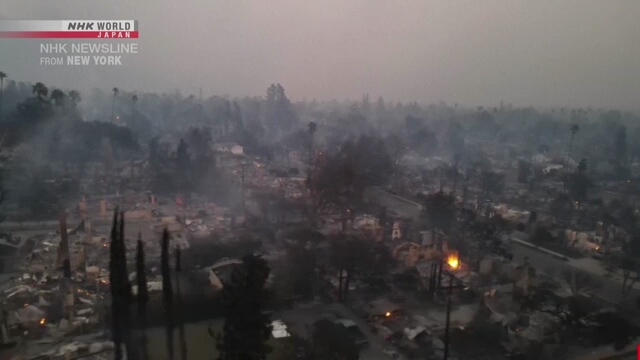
(572, 54)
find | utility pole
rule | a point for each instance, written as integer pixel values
(343, 221)
(288, 159)
(309, 165)
(440, 264)
(4, 327)
(464, 189)
(244, 209)
(340, 281)
(446, 328)
(344, 205)
(432, 280)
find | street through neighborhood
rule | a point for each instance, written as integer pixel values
(610, 291)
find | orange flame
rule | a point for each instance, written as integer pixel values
(453, 261)
(43, 321)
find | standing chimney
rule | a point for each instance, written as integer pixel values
(63, 250)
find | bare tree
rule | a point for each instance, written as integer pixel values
(628, 263)
(580, 283)
(630, 274)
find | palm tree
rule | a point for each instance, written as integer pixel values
(574, 130)
(2, 76)
(312, 130)
(40, 90)
(58, 97)
(75, 98)
(113, 103)
(134, 100)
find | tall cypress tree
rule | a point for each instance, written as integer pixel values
(121, 296)
(246, 327)
(182, 337)
(143, 296)
(114, 280)
(167, 292)
(127, 294)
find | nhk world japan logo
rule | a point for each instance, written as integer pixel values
(69, 29)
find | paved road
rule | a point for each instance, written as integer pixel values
(403, 207)
(550, 265)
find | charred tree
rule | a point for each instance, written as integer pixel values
(121, 296)
(246, 326)
(167, 293)
(181, 333)
(143, 297)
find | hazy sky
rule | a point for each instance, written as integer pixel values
(474, 52)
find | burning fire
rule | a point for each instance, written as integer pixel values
(453, 261)
(43, 321)
(387, 314)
